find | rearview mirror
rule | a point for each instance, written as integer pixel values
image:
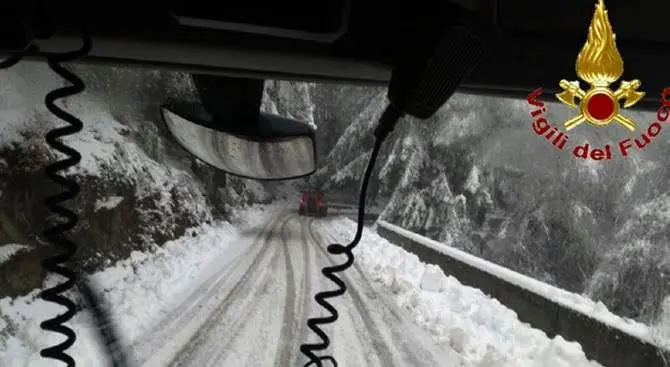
(273, 148)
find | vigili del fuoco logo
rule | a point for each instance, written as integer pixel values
(599, 64)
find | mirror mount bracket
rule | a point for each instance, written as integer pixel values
(230, 99)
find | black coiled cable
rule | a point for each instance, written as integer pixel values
(55, 234)
(386, 124)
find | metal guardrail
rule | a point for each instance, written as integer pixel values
(607, 344)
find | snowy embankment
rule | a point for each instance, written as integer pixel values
(484, 331)
(582, 304)
(140, 290)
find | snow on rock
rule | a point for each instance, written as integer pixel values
(105, 146)
(108, 203)
(486, 332)
(9, 250)
(472, 183)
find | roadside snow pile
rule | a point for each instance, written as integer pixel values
(141, 291)
(577, 302)
(487, 333)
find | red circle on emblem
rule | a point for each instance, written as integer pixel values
(601, 106)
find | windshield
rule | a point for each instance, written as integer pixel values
(470, 215)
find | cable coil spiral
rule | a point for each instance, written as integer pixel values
(387, 122)
(55, 234)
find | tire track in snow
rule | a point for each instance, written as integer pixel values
(241, 320)
(382, 350)
(289, 327)
(416, 355)
(182, 319)
(307, 285)
(242, 290)
(290, 352)
(253, 306)
(221, 326)
(316, 262)
(286, 351)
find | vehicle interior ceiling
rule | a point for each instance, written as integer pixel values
(533, 45)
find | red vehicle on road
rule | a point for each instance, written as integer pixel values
(313, 203)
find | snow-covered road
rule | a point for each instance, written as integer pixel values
(239, 294)
(257, 309)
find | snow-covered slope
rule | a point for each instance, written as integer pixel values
(138, 186)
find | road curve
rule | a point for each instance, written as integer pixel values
(254, 311)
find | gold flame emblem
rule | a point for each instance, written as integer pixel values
(600, 64)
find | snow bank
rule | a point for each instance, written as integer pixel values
(142, 290)
(579, 303)
(486, 332)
